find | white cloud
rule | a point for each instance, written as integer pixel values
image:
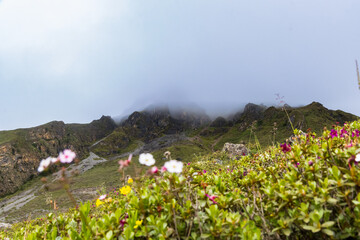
(49, 38)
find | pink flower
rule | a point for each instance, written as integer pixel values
(163, 169)
(67, 156)
(125, 163)
(154, 170)
(211, 198)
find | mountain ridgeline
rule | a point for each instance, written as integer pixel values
(21, 150)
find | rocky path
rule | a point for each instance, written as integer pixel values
(22, 198)
(85, 165)
(15, 202)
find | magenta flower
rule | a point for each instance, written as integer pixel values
(310, 163)
(355, 133)
(333, 133)
(343, 132)
(67, 156)
(163, 169)
(204, 171)
(211, 198)
(154, 170)
(285, 147)
(123, 221)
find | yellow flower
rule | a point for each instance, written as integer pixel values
(130, 181)
(138, 223)
(109, 200)
(125, 190)
(99, 202)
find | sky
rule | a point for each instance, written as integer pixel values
(76, 60)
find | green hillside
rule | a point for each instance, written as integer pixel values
(308, 190)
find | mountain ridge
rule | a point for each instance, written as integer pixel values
(22, 149)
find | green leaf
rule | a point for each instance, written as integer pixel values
(109, 235)
(205, 235)
(286, 231)
(328, 232)
(335, 172)
(332, 201)
(307, 227)
(327, 224)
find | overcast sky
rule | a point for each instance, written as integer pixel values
(75, 60)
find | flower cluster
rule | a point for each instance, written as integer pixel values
(172, 166)
(67, 156)
(285, 147)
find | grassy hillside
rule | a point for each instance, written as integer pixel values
(309, 190)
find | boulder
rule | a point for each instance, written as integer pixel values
(235, 150)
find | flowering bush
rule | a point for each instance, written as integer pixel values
(308, 190)
(67, 156)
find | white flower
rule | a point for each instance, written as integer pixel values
(102, 197)
(146, 159)
(174, 166)
(67, 156)
(44, 164)
(54, 160)
(357, 159)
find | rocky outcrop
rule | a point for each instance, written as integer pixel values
(220, 122)
(157, 121)
(235, 150)
(21, 154)
(251, 113)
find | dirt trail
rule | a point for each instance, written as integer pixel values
(20, 199)
(85, 165)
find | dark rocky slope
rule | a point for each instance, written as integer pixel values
(21, 150)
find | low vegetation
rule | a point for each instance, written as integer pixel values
(309, 189)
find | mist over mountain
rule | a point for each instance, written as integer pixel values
(183, 129)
